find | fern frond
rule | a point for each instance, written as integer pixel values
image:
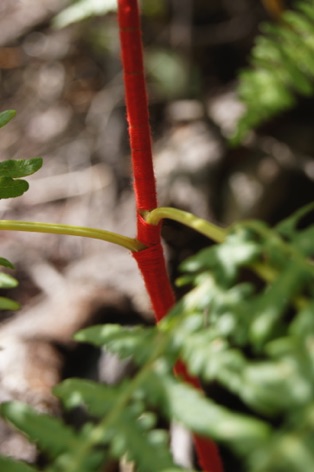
(10, 465)
(257, 347)
(51, 435)
(247, 325)
(281, 68)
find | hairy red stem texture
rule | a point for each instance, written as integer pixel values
(136, 104)
(150, 260)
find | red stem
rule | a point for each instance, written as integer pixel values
(151, 260)
(136, 104)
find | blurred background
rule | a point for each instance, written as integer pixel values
(60, 69)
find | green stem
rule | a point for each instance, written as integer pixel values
(35, 227)
(216, 234)
(124, 397)
(210, 230)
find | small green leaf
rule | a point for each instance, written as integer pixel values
(7, 281)
(7, 304)
(9, 465)
(10, 188)
(6, 116)
(271, 305)
(188, 406)
(287, 227)
(76, 392)
(225, 259)
(49, 433)
(125, 342)
(149, 449)
(20, 168)
(5, 263)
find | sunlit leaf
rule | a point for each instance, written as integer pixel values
(135, 342)
(5, 263)
(190, 407)
(20, 168)
(10, 188)
(10, 465)
(7, 304)
(6, 116)
(146, 448)
(7, 281)
(282, 67)
(48, 432)
(99, 399)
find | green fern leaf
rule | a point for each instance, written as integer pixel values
(188, 406)
(20, 168)
(5, 263)
(271, 306)
(79, 459)
(6, 116)
(282, 67)
(7, 304)
(225, 259)
(135, 341)
(10, 172)
(49, 433)
(255, 343)
(10, 465)
(148, 449)
(99, 399)
(6, 281)
(302, 239)
(10, 188)
(127, 433)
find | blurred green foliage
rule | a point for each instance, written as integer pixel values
(281, 68)
(246, 326)
(11, 185)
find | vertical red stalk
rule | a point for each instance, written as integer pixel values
(136, 103)
(150, 260)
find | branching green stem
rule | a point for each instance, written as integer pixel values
(97, 434)
(210, 230)
(215, 233)
(35, 227)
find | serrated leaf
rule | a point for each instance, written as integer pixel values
(302, 239)
(5, 263)
(267, 386)
(149, 450)
(125, 432)
(270, 306)
(281, 67)
(20, 168)
(9, 465)
(7, 304)
(125, 342)
(10, 188)
(212, 359)
(7, 281)
(225, 259)
(287, 227)
(98, 398)
(6, 116)
(204, 417)
(80, 458)
(49, 433)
